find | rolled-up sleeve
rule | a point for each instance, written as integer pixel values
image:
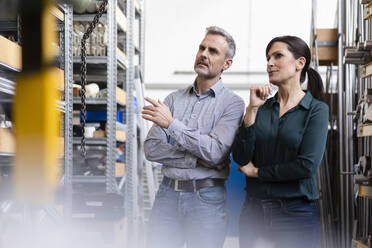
(159, 147)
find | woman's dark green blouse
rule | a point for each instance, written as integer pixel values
(287, 151)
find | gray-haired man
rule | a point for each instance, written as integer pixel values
(192, 134)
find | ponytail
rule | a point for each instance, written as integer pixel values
(315, 84)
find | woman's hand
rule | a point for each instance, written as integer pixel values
(249, 170)
(259, 94)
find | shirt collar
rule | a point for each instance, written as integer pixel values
(305, 102)
(215, 89)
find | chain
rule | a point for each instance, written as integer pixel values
(83, 69)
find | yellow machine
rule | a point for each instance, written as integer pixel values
(37, 128)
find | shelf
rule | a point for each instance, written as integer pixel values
(92, 179)
(99, 78)
(8, 25)
(6, 155)
(90, 141)
(364, 130)
(88, 179)
(94, 103)
(93, 141)
(7, 86)
(365, 191)
(11, 25)
(102, 60)
(6, 159)
(137, 6)
(358, 244)
(61, 106)
(57, 13)
(120, 18)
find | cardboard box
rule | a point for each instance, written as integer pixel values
(99, 134)
(327, 46)
(61, 148)
(121, 96)
(60, 74)
(11, 53)
(76, 91)
(119, 169)
(367, 70)
(7, 141)
(120, 135)
(364, 130)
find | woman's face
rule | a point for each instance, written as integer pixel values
(281, 65)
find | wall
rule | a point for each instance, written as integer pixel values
(174, 30)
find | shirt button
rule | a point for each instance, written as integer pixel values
(193, 116)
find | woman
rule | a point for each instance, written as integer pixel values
(279, 147)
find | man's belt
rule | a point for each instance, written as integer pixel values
(192, 185)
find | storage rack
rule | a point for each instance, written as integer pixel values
(357, 29)
(324, 44)
(8, 74)
(119, 68)
(350, 212)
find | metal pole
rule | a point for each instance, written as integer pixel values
(340, 114)
(131, 194)
(111, 185)
(314, 33)
(68, 111)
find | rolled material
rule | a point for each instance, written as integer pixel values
(368, 45)
(355, 56)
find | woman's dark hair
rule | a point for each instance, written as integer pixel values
(299, 48)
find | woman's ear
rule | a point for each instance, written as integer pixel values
(300, 63)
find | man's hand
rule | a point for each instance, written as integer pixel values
(158, 113)
(249, 170)
(217, 167)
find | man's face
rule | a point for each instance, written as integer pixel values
(211, 58)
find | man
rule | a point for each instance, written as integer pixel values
(192, 134)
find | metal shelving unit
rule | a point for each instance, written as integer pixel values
(63, 13)
(8, 73)
(357, 29)
(105, 67)
(118, 68)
